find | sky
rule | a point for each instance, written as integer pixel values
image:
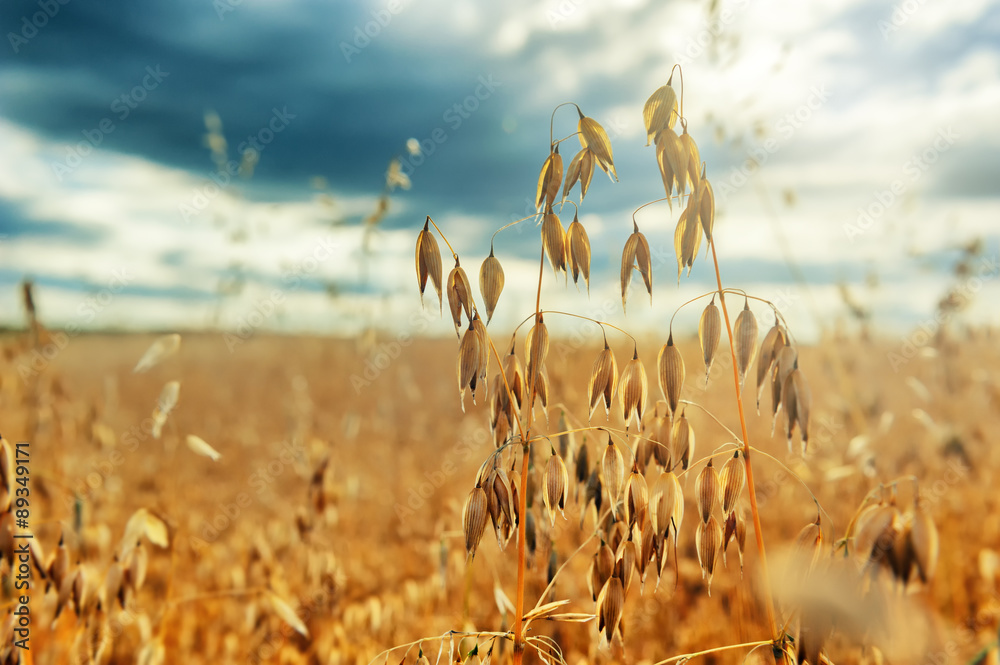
(848, 142)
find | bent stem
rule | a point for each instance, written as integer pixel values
(751, 488)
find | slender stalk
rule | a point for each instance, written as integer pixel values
(729, 647)
(522, 497)
(751, 487)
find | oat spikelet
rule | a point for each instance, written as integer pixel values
(773, 341)
(515, 375)
(459, 296)
(671, 373)
(613, 469)
(556, 487)
(469, 359)
(636, 499)
(160, 350)
(484, 347)
(809, 544)
(673, 161)
(709, 333)
(554, 241)
(609, 607)
(683, 436)
(707, 487)
(785, 361)
(474, 518)
(549, 179)
(732, 477)
(708, 541)
(706, 206)
(491, 280)
(797, 400)
(745, 332)
(536, 348)
(579, 252)
(581, 169)
(667, 504)
(593, 137)
(693, 159)
(632, 391)
(660, 111)
(636, 255)
(603, 380)
(428, 262)
(164, 405)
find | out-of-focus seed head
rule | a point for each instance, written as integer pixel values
(925, 543)
(671, 373)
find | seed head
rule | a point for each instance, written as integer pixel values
(707, 487)
(428, 258)
(709, 333)
(549, 179)
(745, 332)
(708, 541)
(474, 518)
(671, 373)
(633, 391)
(593, 137)
(579, 252)
(554, 241)
(459, 295)
(603, 380)
(613, 469)
(556, 486)
(732, 478)
(660, 111)
(491, 281)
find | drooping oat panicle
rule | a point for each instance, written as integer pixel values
(671, 373)
(556, 486)
(603, 380)
(745, 334)
(160, 350)
(491, 281)
(708, 488)
(732, 477)
(459, 296)
(633, 391)
(636, 499)
(549, 179)
(709, 333)
(428, 262)
(593, 137)
(924, 541)
(579, 252)
(773, 341)
(708, 542)
(474, 518)
(554, 241)
(469, 359)
(613, 470)
(609, 607)
(683, 436)
(660, 111)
